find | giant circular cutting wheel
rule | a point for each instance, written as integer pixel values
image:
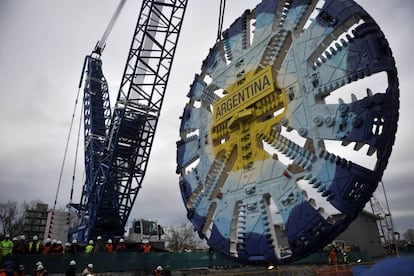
(282, 141)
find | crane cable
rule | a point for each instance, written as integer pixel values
(76, 156)
(66, 148)
(221, 19)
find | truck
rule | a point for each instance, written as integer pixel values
(147, 230)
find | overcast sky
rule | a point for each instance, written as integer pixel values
(42, 47)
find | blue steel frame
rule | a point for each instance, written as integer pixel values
(117, 158)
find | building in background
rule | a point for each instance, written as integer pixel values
(34, 221)
(361, 235)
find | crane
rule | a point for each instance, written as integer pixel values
(117, 143)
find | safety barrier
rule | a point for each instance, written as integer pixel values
(135, 261)
(126, 261)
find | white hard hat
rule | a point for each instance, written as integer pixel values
(90, 266)
(74, 241)
(59, 242)
(54, 241)
(72, 262)
(159, 267)
(67, 244)
(91, 242)
(109, 241)
(22, 237)
(35, 238)
(48, 240)
(15, 239)
(38, 263)
(99, 238)
(121, 240)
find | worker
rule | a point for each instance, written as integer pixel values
(333, 258)
(34, 245)
(41, 271)
(108, 246)
(345, 257)
(66, 248)
(120, 247)
(23, 245)
(2, 270)
(89, 247)
(47, 247)
(58, 248)
(167, 271)
(157, 271)
(20, 271)
(99, 244)
(71, 271)
(35, 267)
(74, 247)
(146, 247)
(6, 246)
(88, 271)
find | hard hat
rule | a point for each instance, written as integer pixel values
(91, 242)
(14, 238)
(38, 263)
(99, 238)
(20, 267)
(121, 240)
(7, 235)
(109, 241)
(67, 244)
(90, 266)
(48, 240)
(54, 241)
(59, 242)
(159, 267)
(40, 267)
(74, 241)
(72, 262)
(22, 237)
(35, 238)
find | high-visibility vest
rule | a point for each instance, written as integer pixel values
(36, 249)
(88, 248)
(6, 247)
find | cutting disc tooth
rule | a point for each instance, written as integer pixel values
(354, 98)
(345, 143)
(371, 150)
(358, 146)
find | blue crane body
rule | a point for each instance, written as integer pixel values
(118, 142)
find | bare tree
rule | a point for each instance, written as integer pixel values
(409, 235)
(182, 237)
(11, 218)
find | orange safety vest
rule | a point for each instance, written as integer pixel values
(109, 247)
(147, 248)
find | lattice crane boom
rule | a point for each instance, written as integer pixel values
(118, 143)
